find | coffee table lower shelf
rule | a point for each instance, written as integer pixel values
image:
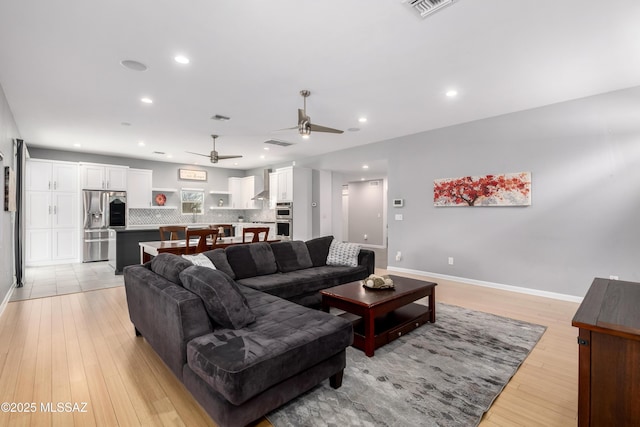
(391, 326)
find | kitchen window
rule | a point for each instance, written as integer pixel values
(192, 201)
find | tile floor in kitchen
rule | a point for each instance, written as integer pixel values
(66, 279)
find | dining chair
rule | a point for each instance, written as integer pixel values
(256, 231)
(227, 229)
(203, 234)
(173, 231)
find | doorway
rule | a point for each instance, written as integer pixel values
(364, 213)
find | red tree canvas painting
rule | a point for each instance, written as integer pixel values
(511, 189)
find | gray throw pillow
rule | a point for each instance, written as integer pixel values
(169, 266)
(222, 299)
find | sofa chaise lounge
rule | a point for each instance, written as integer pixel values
(241, 371)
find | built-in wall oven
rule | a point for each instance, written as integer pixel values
(284, 220)
(284, 228)
(284, 210)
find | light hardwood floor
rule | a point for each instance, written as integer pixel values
(81, 348)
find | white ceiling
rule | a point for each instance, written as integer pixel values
(60, 69)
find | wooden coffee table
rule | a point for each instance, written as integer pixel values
(380, 316)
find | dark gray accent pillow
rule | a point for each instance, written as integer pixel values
(219, 258)
(169, 266)
(222, 299)
(291, 256)
(252, 259)
(319, 250)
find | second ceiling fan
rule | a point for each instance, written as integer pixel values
(305, 127)
(213, 155)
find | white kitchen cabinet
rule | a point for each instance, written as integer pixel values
(47, 246)
(284, 178)
(63, 244)
(37, 246)
(236, 197)
(45, 175)
(94, 176)
(273, 189)
(242, 190)
(139, 188)
(51, 212)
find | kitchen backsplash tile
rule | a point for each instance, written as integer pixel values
(215, 216)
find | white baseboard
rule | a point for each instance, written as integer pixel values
(518, 289)
(4, 303)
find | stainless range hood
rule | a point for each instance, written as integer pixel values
(264, 194)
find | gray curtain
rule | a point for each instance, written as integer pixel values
(21, 156)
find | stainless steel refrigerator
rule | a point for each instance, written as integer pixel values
(96, 233)
(102, 210)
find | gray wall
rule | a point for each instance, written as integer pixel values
(584, 157)
(583, 221)
(8, 132)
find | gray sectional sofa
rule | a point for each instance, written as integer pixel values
(233, 335)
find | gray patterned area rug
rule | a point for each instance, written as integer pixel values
(442, 374)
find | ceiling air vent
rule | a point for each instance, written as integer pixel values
(427, 7)
(278, 142)
(159, 152)
(220, 118)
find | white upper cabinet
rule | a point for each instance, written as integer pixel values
(235, 193)
(273, 190)
(242, 190)
(103, 177)
(285, 185)
(116, 177)
(139, 188)
(45, 175)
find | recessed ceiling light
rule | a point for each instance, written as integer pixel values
(133, 65)
(235, 164)
(141, 143)
(305, 136)
(266, 148)
(451, 93)
(362, 119)
(361, 179)
(77, 145)
(262, 156)
(170, 156)
(365, 166)
(180, 59)
(147, 100)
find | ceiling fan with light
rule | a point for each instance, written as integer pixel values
(304, 121)
(214, 156)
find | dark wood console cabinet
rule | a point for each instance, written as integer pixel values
(609, 354)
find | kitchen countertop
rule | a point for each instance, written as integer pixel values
(199, 225)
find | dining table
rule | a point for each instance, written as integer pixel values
(149, 250)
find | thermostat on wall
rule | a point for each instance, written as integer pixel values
(398, 203)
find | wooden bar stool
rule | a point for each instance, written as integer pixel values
(203, 234)
(227, 229)
(174, 232)
(256, 231)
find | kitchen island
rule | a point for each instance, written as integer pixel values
(148, 250)
(126, 241)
